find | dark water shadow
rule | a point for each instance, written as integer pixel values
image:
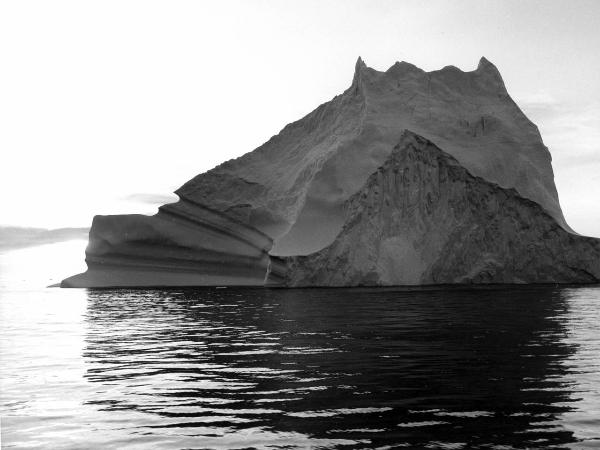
(364, 368)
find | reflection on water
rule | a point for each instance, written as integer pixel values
(234, 368)
(325, 367)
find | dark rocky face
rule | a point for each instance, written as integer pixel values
(422, 218)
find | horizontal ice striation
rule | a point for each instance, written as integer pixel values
(185, 243)
(422, 218)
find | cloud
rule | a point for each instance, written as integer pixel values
(151, 198)
(571, 131)
(537, 100)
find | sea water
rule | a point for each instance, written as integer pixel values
(456, 368)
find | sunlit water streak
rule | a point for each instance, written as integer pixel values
(240, 368)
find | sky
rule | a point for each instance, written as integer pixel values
(108, 107)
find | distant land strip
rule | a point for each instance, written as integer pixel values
(20, 237)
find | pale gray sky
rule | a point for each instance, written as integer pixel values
(107, 107)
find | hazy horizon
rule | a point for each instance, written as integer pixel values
(108, 108)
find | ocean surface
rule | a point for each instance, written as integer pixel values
(307, 368)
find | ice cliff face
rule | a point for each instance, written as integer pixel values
(294, 196)
(187, 245)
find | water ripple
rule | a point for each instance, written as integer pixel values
(260, 368)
